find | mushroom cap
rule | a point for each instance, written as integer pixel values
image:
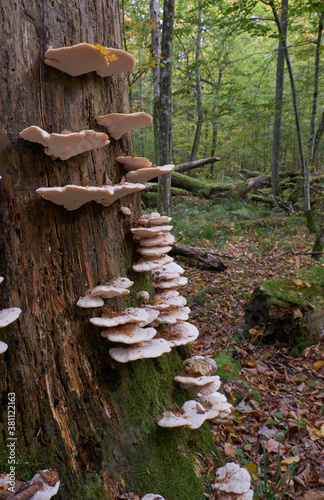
(167, 295)
(121, 282)
(158, 239)
(1, 279)
(147, 232)
(172, 283)
(195, 383)
(73, 197)
(50, 480)
(132, 163)
(231, 478)
(108, 291)
(65, 145)
(88, 301)
(195, 413)
(153, 251)
(124, 62)
(161, 304)
(146, 264)
(215, 405)
(152, 496)
(8, 316)
(170, 419)
(138, 315)
(120, 123)
(145, 174)
(209, 388)
(143, 294)
(154, 219)
(129, 334)
(200, 365)
(84, 58)
(149, 349)
(3, 347)
(172, 316)
(169, 271)
(179, 334)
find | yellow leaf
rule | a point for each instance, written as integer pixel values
(307, 284)
(253, 469)
(298, 314)
(322, 430)
(291, 460)
(314, 433)
(298, 282)
(318, 365)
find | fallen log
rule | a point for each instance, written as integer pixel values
(184, 167)
(195, 253)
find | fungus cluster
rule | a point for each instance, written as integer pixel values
(142, 170)
(210, 404)
(234, 481)
(7, 316)
(118, 124)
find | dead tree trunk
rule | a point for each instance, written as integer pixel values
(76, 409)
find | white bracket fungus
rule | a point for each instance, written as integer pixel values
(172, 283)
(3, 347)
(215, 404)
(143, 294)
(192, 415)
(138, 315)
(115, 288)
(231, 478)
(67, 144)
(152, 496)
(172, 316)
(129, 334)
(8, 316)
(149, 264)
(73, 197)
(153, 219)
(161, 303)
(118, 124)
(196, 383)
(84, 58)
(88, 302)
(145, 174)
(133, 163)
(167, 272)
(200, 365)
(153, 251)
(179, 334)
(147, 232)
(150, 349)
(158, 239)
(50, 484)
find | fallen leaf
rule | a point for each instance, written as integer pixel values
(252, 469)
(298, 313)
(314, 495)
(291, 460)
(229, 450)
(298, 282)
(318, 365)
(243, 407)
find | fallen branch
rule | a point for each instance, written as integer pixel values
(197, 254)
(295, 253)
(184, 167)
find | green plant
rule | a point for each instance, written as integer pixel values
(274, 488)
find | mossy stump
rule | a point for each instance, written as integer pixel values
(290, 310)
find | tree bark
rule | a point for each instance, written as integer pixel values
(276, 141)
(165, 123)
(156, 54)
(215, 118)
(200, 114)
(76, 409)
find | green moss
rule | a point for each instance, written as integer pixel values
(285, 290)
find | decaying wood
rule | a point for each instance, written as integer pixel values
(184, 167)
(207, 258)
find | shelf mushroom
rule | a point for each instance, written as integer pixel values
(129, 334)
(133, 163)
(148, 264)
(139, 315)
(145, 174)
(192, 415)
(181, 333)
(153, 219)
(152, 496)
(73, 197)
(118, 124)
(115, 288)
(148, 349)
(235, 480)
(84, 58)
(66, 144)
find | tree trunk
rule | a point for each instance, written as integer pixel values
(276, 141)
(76, 409)
(200, 115)
(156, 54)
(215, 119)
(165, 137)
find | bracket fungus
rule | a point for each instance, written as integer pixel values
(133, 163)
(147, 232)
(115, 288)
(196, 383)
(145, 174)
(88, 301)
(149, 264)
(152, 496)
(172, 283)
(118, 124)
(215, 404)
(167, 272)
(84, 58)
(153, 219)
(158, 239)
(150, 349)
(129, 334)
(66, 144)
(73, 197)
(192, 415)
(154, 251)
(49, 483)
(138, 315)
(3, 347)
(181, 333)
(8, 316)
(233, 479)
(172, 316)
(200, 365)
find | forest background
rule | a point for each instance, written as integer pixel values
(224, 67)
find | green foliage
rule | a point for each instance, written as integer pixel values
(274, 488)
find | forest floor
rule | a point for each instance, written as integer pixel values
(282, 403)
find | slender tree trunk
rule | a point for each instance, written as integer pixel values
(200, 114)
(275, 162)
(215, 120)
(165, 133)
(156, 54)
(319, 134)
(76, 409)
